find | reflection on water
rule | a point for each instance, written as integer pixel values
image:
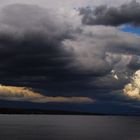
(55, 127)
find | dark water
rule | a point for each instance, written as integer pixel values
(48, 127)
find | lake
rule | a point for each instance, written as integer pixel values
(63, 127)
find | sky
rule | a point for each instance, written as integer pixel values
(79, 55)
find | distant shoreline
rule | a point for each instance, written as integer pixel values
(15, 111)
(39, 111)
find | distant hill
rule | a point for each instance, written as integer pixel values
(39, 111)
(54, 112)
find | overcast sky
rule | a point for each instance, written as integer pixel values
(70, 53)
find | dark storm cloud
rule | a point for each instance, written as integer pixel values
(25, 49)
(128, 13)
(135, 63)
(43, 50)
(32, 53)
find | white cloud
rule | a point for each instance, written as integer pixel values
(132, 90)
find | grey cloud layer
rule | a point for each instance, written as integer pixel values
(32, 52)
(128, 13)
(54, 51)
(65, 3)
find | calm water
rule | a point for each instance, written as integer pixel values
(48, 127)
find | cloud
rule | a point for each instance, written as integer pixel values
(32, 47)
(135, 63)
(127, 13)
(65, 4)
(21, 18)
(108, 46)
(13, 93)
(61, 4)
(54, 52)
(132, 90)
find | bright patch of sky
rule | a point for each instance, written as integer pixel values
(131, 29)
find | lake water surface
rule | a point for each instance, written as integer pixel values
(63, 127)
